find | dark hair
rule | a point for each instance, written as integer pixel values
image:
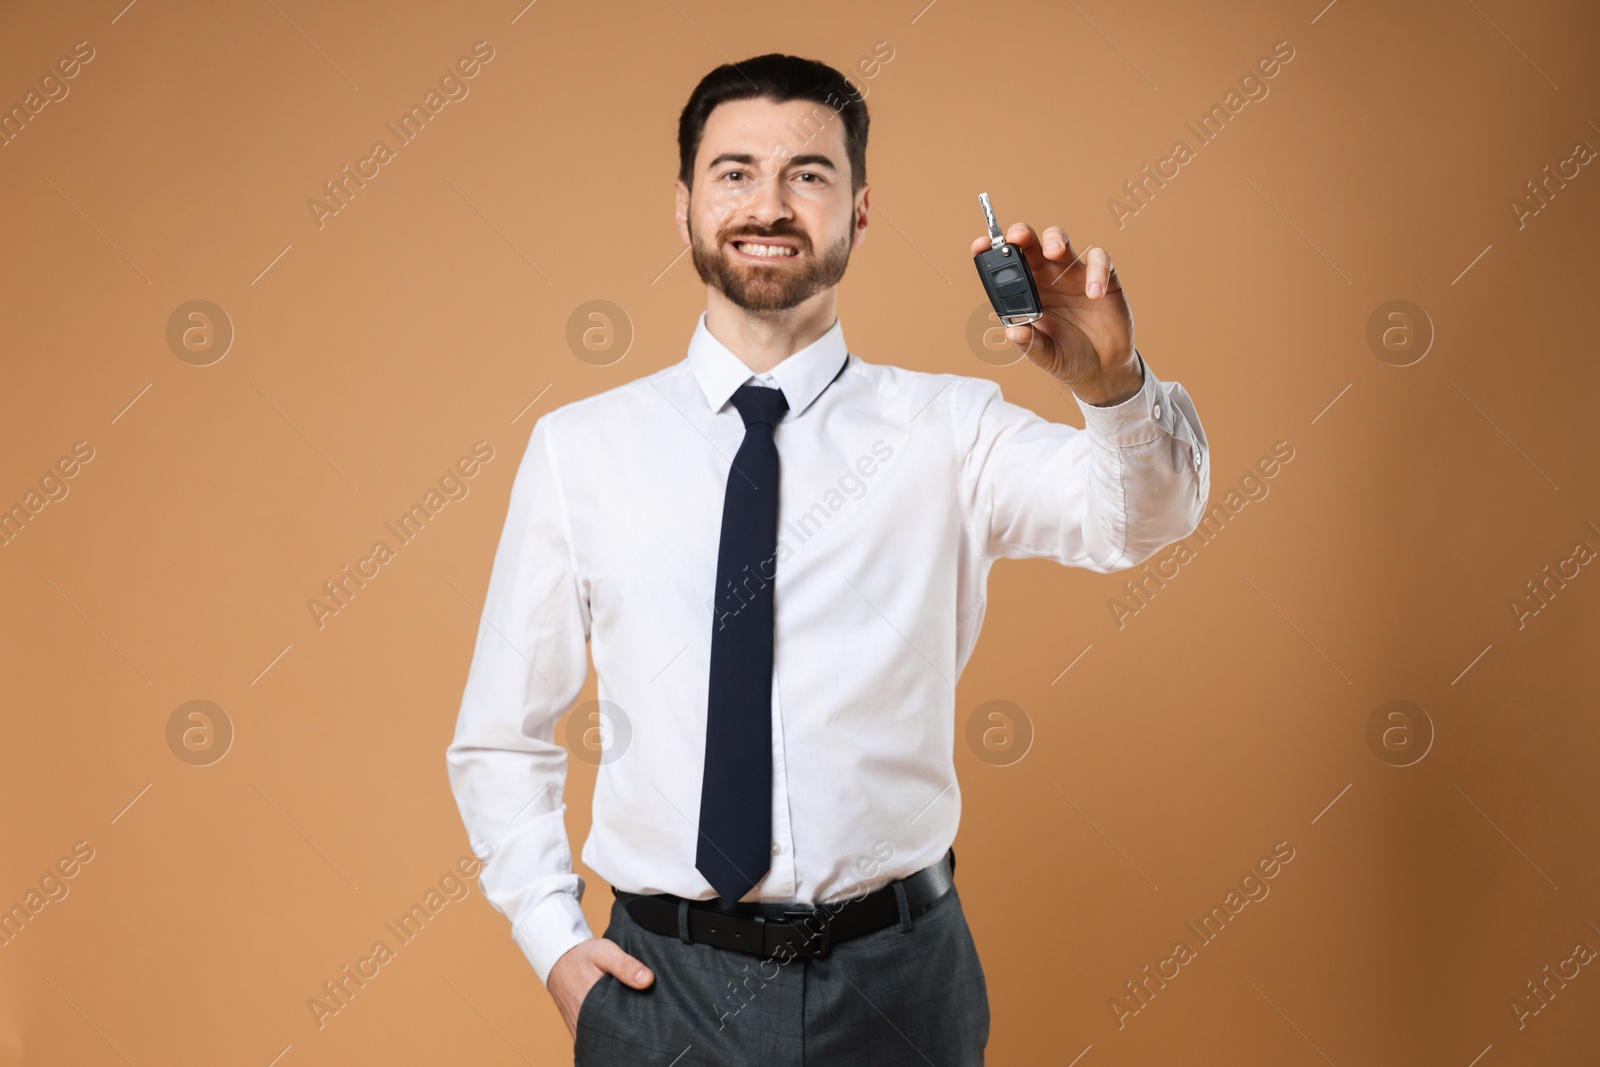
(780, 78)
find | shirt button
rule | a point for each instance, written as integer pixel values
(776, 848)
(1155, 412)
(1197, 459)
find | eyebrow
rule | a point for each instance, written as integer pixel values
(795, 161)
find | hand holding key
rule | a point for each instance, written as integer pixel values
(1084, 333)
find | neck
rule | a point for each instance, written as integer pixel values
(763, 339)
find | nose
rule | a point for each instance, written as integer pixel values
(763, 203)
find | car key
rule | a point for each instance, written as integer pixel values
(1006, 275)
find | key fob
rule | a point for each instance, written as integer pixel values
(1006, 275)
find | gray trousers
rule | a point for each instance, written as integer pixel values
(912, 994)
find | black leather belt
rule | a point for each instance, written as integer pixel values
(788, 930)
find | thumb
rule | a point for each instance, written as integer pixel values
(624, 967)
(1036, 343)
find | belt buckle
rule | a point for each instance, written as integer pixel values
(817, 944)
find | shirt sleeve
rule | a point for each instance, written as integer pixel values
(506, 769)
(1106, 497)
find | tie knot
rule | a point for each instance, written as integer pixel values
(758, 403)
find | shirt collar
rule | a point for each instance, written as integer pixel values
(802, 376)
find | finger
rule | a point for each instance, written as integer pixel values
(1027, 337)
(1062, 260)
(1027, 240)
(1054, 240)
(1101, 276)
(624, 967)
(1022, 235)
(1060, 254)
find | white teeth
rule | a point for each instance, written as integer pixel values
(764, 250)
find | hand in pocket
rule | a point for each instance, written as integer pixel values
(579, 970)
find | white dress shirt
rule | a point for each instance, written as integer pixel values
(898, 490)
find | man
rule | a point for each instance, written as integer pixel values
(778, 552)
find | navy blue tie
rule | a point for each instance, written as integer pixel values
(734, 849)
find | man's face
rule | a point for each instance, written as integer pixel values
(771, 219)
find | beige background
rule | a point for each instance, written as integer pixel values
(1229, 715)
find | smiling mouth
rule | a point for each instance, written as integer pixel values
(767, 250)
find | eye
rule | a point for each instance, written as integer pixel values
(810, 174)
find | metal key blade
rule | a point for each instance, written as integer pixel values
(996, 238)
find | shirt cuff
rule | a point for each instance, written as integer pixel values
(547, 931)
(1156, 412)
(1135, 420)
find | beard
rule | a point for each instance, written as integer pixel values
(759, 287)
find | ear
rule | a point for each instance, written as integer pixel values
(860, 227)
(681, 195)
